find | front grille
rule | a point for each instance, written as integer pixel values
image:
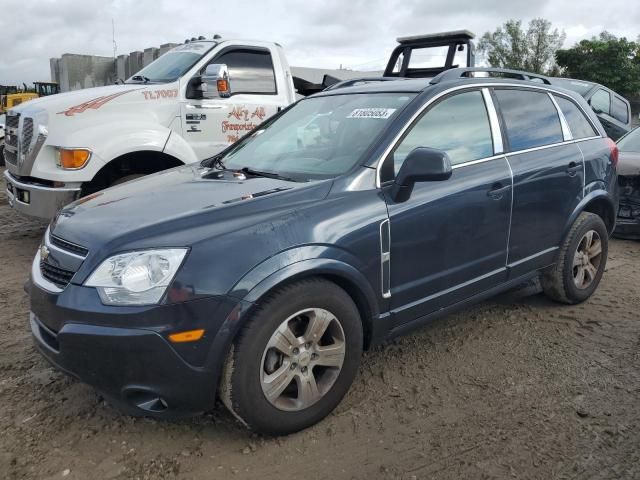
(27, 133)
(12, 120)
(68, 246)
(58, 276)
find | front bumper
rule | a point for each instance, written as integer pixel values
(36, 200)
(125, 354)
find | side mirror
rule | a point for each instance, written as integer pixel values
(423, 164)
(214, 83)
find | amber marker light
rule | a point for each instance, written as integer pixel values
(188, 336)
(73, 159)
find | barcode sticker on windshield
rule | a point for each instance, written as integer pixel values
(371, 113)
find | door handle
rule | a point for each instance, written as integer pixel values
(573, 169)
(497, 190)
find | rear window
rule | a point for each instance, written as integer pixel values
(578, 124)
(530, 118)
(620, 110)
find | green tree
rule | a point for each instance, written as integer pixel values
(611, 61)
(510, 46)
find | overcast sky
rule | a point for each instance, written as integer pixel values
(325, 33)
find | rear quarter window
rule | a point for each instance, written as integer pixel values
(578, 123)
(531, 119)
(620, 110)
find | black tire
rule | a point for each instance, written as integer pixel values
(2, 155)
(558, 281)
(241, 388)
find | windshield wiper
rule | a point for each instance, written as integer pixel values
(261, 173)
(214, 162)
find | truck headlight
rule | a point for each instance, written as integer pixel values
(136, 278)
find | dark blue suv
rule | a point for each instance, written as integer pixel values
(354, 216)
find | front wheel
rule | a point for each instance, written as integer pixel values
(581, 261)
(295, 359)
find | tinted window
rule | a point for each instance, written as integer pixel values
(620, 110)
(250, 71)
(578, 123)
(459, 125)
(601, 101)
(531, 118)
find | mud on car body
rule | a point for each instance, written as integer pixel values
(628, 221)
(352, 217)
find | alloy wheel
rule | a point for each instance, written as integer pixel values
(302, 359)
(587, 259)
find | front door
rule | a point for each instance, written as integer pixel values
(449, 239)
(210, 125)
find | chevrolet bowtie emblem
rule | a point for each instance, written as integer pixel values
(44, 252)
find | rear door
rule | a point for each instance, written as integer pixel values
(209, 125)
(548, 175)
(449, 239)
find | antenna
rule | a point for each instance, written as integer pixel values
(113, 37)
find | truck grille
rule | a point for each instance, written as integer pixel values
(13, 120)
(58, 276)
(10, 157)
(27, 133)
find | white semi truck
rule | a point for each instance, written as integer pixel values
(187, 105)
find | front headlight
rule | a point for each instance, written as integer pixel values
(136, 278)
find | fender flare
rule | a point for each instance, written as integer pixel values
(597, 194)
(311, 260)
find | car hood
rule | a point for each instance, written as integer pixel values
(179, 206)
(629, 164)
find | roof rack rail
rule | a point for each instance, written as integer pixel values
(353, 81)
(458, 73)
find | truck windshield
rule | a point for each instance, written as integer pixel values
(173, 64)
(319, 137)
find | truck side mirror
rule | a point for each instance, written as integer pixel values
(214, 83)
(423, 164)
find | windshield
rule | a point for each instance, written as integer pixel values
(173, 64)
(320, 137)
(577, 86)
(630, 142)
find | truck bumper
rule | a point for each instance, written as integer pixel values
(37, 200)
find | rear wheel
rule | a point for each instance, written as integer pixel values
(581, 261)
(296, 358)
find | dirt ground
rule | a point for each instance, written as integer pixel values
(516, 388)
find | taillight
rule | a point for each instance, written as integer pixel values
(613, 147)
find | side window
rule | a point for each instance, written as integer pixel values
(578, 124)
(459, 125)
(620, 110)
(601, 102)
(531, 119)
(250, 71)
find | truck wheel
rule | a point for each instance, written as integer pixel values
(1, 155)
(295, 359)
(581, 261)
